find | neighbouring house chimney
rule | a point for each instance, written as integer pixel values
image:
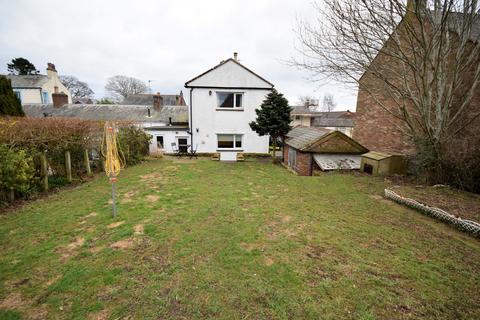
(157, 101)
(51, 71)
(59, 99)
(55, 89)
(181, 100)
(235, 56)
(51, 66)
(307, 103)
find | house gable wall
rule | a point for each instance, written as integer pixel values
(229, 75)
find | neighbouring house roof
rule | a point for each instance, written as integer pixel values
(321, 140)
(328, 162)
(83, 100)
(221, 64)
(326, 119)
(33, 81)
(178, 114)
(147, 100)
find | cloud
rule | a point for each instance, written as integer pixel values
(167, 41)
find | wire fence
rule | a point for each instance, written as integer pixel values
(468, 226)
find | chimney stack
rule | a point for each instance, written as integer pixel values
(59, 99)
(235, 56)
(157, 101)
(51, 71)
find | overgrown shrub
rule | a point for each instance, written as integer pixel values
(134, 144)
(17, 171)
(9, 103)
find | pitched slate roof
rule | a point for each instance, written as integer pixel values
(321, 140)
(221, 64)
(327, 119)
(147, 99)
(302, 137)
(33, 81)
(178, 114)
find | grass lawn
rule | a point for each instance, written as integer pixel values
(203, 239)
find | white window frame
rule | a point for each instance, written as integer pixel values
(45, 98)
(235, 93)
(235, 135)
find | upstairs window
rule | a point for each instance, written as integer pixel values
(229, 141)
(229, 100)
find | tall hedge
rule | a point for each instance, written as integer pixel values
(9, 103)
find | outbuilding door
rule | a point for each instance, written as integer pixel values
(292, 158)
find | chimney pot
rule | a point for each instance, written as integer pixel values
(157, 101)
(51, 67)
(235, 56)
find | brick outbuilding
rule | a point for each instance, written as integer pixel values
(308, 149)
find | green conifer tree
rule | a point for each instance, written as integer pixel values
(273, 118)
(9, 103)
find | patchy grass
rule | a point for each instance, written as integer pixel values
(460, 203)
(203, 239)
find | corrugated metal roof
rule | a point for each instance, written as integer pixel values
(28, 81)
(178, 114)
(328, 162)
(301, 137)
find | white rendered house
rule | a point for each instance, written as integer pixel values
(39, 88)
(222, 104)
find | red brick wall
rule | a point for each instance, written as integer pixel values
(379, 130)
(304, 162)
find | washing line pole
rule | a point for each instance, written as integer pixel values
(114, 208)
(113, 160)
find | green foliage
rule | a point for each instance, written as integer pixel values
(9, 103)
(105, 101)
(273, 117)
(134, 144)
(17, 170)
(21, 66)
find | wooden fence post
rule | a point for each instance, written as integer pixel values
(44, 170)
(11, 195)
(68, 166)
(87, 162)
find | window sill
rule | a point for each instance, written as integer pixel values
(233, 150)
(229, 109)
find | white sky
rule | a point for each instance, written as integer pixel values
(167, 41)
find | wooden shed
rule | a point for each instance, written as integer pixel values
(378, 163)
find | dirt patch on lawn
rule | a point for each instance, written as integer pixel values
(459, 203)
(76, 244)
(138, 229)
(101, 315)
(251, 246)
(13, 301)
(286, 218)
(91, 214)
(152, 198)
(269, 261)
(115, 224)
(123, 244)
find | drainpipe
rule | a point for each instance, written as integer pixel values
(191, 119)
